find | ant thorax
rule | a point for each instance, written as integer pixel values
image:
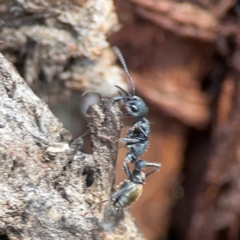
(137, 149)
(140, 129)
(137, 138)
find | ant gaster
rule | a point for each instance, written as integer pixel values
(132, 188)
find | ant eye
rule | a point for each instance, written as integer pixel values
(134, 108)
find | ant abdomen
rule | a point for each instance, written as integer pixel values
(132, 192)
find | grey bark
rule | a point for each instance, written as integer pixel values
(60, 46)
(49, 189)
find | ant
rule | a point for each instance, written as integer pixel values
(136, 142)
(132, 188)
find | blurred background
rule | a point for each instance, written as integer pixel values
(184, 58)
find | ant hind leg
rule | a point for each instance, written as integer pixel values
(156, 168)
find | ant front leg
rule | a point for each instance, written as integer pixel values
(130, 140)
(119, 98)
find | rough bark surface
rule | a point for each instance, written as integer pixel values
(48, 187)
(60, 46)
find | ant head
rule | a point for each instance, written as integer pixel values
(136, 107)
(138, 176)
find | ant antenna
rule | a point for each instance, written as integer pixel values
(121, 59)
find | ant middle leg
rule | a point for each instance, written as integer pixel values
(137, 149)
(127, 170)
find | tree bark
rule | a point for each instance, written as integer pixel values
(49, 188)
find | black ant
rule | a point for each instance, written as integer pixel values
(136, 142)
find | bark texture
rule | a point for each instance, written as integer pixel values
(60, 46)
(48, 187)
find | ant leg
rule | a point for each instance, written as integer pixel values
(127, 170)
(139, 130)
(125, 93)
(78, 143)
(130, 157)
(130, 140)
(155, 165)
(85, 134)
(119, 98)
(143, 132)
(133, 140)
(125, 187)
(141, 164)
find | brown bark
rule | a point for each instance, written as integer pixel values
(184, 59)
(60, 46)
